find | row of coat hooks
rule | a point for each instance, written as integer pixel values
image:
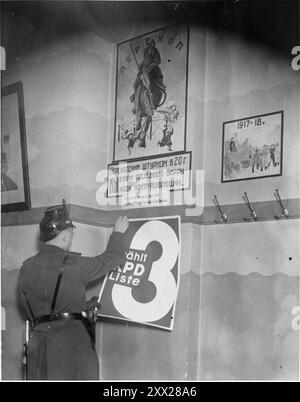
(253, 215)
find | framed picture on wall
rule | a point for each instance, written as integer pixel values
(252, 147)
(15, 192)
(151, 94)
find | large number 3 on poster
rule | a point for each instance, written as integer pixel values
(160, 275)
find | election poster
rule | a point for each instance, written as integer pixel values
(151, 92)
(145, 289)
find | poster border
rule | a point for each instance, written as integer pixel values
(281, 112)
(186, 85)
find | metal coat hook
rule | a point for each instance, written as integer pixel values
(223, 218)
(253, 216)
(284, 211)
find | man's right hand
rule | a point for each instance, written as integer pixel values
(121, 224)
(92, 303)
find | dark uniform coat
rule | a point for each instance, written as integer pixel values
(63, 350)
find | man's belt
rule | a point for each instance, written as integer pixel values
(58, 317)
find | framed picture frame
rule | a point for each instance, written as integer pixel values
(15, 190)
(252, 147)
(151, 94)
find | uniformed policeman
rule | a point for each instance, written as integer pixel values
(52, 290)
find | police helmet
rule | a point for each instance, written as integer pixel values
(55, 220)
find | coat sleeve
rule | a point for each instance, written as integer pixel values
(95, 267)
(21, 298)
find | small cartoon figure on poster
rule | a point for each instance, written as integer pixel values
(167, 137)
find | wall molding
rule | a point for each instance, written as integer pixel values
(265, 211)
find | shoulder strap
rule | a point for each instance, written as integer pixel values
(57, 285)
(29, 307)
